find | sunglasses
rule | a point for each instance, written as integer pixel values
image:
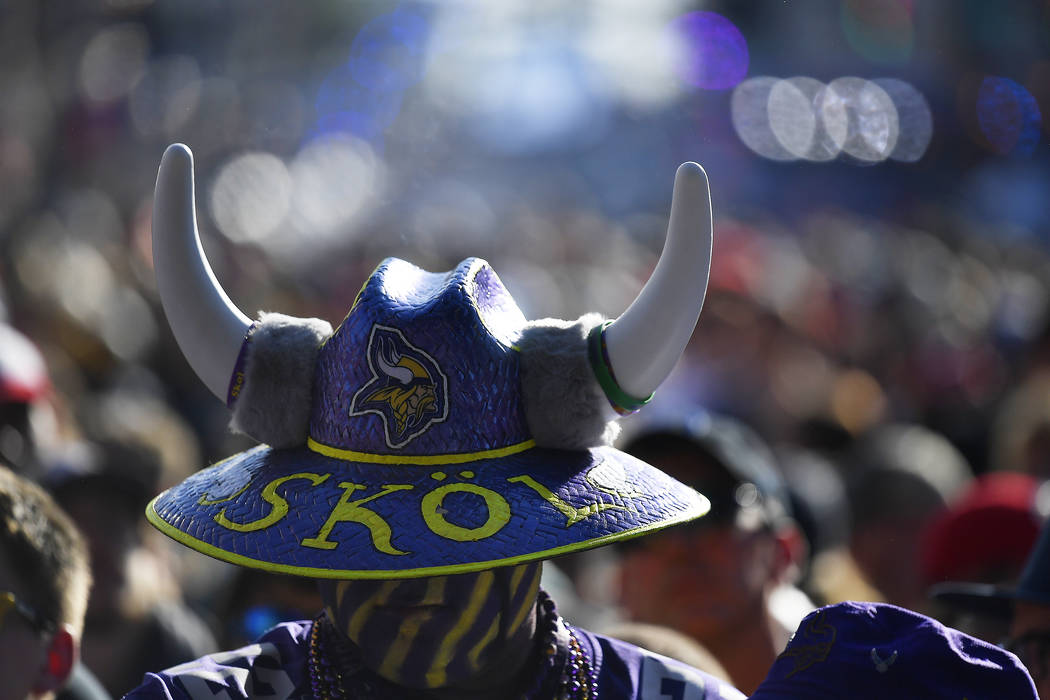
(1033, 649)
(9, 602)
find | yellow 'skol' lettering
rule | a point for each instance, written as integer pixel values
(269, 494)
(495, 505)
(353, 511)
(572, 513)
(205, 501)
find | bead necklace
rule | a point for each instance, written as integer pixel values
(562, 670)
(562, 657)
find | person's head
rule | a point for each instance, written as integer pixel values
(1020, 432)
(1029, 635)
(105, 486)
(1022, 610)
(715, 573)
(986, 534)
(899, 478)
(1029, 638)
(876, 651)
(44, 582)
(431, 450)
(24, 382)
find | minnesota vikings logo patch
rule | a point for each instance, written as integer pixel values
(817, 638)
(408, 389)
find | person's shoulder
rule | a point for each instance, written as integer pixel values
(274, 666)
(652, 676)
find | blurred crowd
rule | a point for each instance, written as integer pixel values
(872, 393)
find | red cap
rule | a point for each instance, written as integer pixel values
(985, 535)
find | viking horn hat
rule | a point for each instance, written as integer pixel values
(436, 430)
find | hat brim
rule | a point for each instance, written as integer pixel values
(980, 598)
(300, 512)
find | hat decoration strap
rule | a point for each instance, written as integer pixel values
(239, 368)
(622, 402)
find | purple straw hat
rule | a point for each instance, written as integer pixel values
(435, 430)
(879, 651)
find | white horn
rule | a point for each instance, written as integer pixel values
(646, 341)
(402, 375)
(208, 327)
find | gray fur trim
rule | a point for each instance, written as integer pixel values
(274, 405)
(564, 404)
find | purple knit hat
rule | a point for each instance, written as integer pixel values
(878, 651)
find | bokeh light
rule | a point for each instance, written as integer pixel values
(128, 327)
(113, 61)
(805, 131)
(94, 216)
(1008, 115)
(749, 109)
(363, 95)
(791, 117)
(333, 178)
(802, 118)
(914, 118)
(559, 75)
(537, 99)
(715, 52)
(251, 196)
(613, 44)
(343, 105)
(873, 124)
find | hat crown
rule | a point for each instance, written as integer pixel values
(424, 364)
(876, 650)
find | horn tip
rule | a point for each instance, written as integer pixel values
(692, 171)
(180, 152)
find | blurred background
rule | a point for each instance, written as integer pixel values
(878, 169)
(879, 172)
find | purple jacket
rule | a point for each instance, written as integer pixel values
(275, 667)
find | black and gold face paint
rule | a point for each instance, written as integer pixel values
(436, 632)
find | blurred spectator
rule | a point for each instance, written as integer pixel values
(136, 621)
(873, 651)
(586, 586)
(24, 383)
(1021, 611)
(1021, 431)
(726, 579)
(133, 413)
(898, 479)
(821, 509)
(44, 582)
(985, 538)
(987, 533)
